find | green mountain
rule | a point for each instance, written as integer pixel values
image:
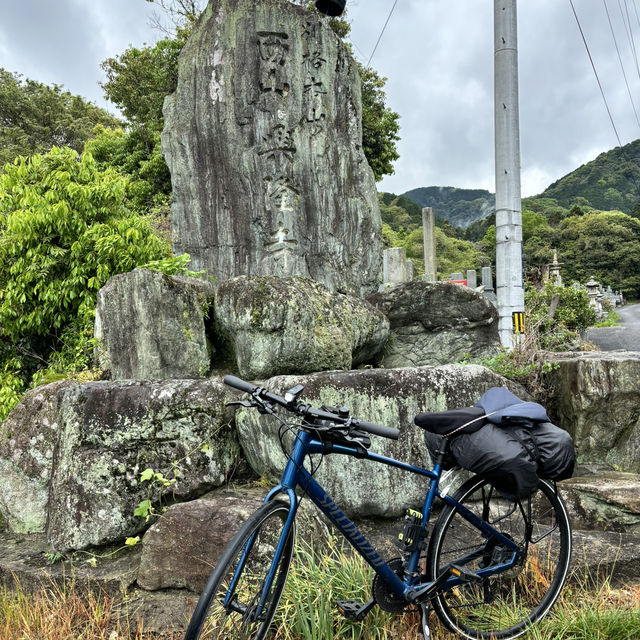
(610, 182)
(461, 207)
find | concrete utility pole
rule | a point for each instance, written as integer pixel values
(509, 277)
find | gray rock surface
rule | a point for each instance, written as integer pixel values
(151, 326)
(434, 323)
(28, 438)
(388, 397)
(182, 548)
(295, 325)
(595, 396)
(601, 555)
(263, 139)
(607, 501)
(112, 431)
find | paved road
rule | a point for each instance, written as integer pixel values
(626, 336)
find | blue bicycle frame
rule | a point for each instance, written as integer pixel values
(409, 589)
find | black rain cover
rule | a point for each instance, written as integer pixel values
(512, 455)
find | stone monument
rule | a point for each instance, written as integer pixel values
(263, 138)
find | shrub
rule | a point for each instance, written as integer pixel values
(64, 231)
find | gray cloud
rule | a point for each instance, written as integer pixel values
(438, 58)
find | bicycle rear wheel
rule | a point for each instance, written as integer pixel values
(505, 604)
(251, 552)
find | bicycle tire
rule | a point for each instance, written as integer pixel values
(210, 619)
(505, 605)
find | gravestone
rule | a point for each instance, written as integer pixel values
(394, 265)
(263, 138)
(472, 278)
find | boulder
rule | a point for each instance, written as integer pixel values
(295, 325)
(151, 326)
(600, 556)
(595, 396)
(28, 437)
(110, 432)
(388, 397)
(434, 323)
(263, 138)
(182, 548)
(608, 501)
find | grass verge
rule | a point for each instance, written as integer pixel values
(318, 578)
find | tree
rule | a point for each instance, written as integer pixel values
(379, 124)
(35, 117)
(558, 330)
(603, 244)
(64, 231)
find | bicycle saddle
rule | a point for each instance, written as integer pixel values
(443, 423)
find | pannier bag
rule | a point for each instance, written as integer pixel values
(514, 446)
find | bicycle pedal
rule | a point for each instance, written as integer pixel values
(354, 610)
(465, 574)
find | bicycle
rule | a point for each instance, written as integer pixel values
(490, 569)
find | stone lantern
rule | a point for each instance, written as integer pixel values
(593, 292)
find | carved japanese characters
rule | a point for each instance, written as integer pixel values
(263, 140)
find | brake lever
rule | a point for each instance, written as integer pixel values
(262, 406)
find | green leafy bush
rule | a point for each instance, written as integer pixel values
(557, 316)
(64, 231)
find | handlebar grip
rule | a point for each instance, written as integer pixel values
(378, 429)
(239, 384)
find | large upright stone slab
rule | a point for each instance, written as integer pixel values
(263, 138)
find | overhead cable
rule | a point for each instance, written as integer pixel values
(615, 41)
(593, 66)
(627, 27)
(382, 32)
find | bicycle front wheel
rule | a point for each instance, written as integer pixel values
(506, 604)
(228, 606)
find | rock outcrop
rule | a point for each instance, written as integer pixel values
(150, 326)
(263, 138)
(28, 438)
(608, 501)
(434, 323)
(388, 397)
(595, 396)
(294, 325)
(71, 455)
(182, 548)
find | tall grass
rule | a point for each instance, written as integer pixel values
(318, 578)
(63, 613)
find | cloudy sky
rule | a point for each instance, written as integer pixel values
(438, 58)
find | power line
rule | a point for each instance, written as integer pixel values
(627, 28)
(620, 61)
(593, 66)
(382, 32)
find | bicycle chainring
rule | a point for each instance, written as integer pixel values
(386, 599)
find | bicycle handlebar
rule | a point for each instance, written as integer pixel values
(307, 411)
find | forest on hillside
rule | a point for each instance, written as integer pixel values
(589, 241)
